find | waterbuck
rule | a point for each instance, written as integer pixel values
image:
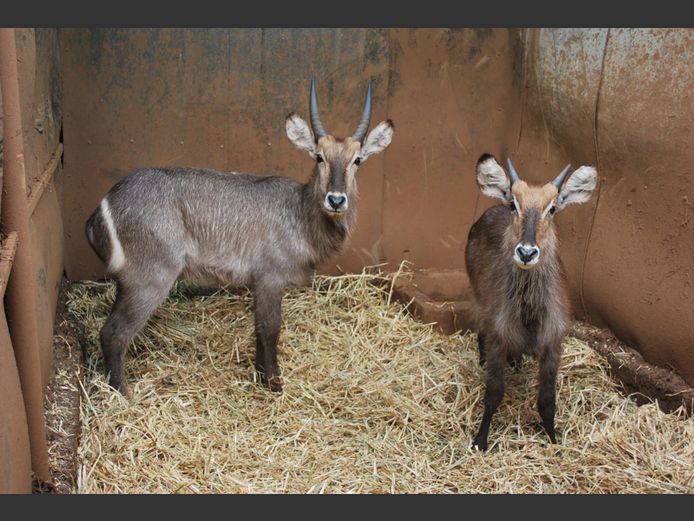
(260, 231)
(521, 299)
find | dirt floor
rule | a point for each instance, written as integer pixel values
(374, 401)
(62, 405)
(642, 381)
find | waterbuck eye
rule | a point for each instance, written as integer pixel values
(552, 209)
(357, 161)
(319, 159)
(513, 206)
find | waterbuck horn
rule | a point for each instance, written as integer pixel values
(318, 130)
(363, 126)
(512, 171)
(559, 180)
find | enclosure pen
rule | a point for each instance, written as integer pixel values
(130, 157)
(374, 401)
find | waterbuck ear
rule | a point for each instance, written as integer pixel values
(492, 179)
(378, 139)
(300, 134)
(579, 187)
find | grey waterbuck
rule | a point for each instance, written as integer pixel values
(519, 286)
(261, 231)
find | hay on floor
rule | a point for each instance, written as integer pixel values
(373, 401)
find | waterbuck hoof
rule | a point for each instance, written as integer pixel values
(121, 387)
(550, 432)
(275, 385)
(552, 437)
(553, 441)
(479, 445)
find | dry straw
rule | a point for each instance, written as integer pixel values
(373, 401)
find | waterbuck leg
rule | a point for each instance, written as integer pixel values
(268, 320)
(493, 394)
(546, 398)
(134, 304)
(481, 338)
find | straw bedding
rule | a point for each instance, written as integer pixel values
(373, 401)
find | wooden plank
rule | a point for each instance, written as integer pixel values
(45, 179)
(7, 251)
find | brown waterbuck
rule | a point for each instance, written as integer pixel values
(260, 231)
(520, 296)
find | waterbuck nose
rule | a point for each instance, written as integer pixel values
(527, 253)
(336, 201)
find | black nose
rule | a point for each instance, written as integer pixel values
(336, 201)
(527, 253)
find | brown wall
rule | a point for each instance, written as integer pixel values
(616, 98)
(453, 95)
(621, 99)
(218, 98)
(214, 98)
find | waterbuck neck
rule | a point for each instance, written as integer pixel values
(529, 291)
(327, 234)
